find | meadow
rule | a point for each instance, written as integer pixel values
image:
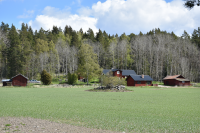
(145, 109)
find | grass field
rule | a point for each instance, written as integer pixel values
(142, 110)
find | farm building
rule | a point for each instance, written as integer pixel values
(118, 72)
(174, 80)
(139, 80)
(18, 80)
(6, 82)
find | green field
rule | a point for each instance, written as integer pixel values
(142, 110)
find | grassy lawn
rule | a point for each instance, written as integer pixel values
(142, 110)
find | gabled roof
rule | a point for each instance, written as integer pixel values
(171, 77)
(124, 72)
(128, 72)
(115, 70)
(139, 77)
(18, 75)
(180, 79)
(105, 71)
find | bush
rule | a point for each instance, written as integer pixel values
(45, 78)
(110, 81)
(72, 78)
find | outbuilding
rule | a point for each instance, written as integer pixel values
(139, 80)
(178, 80)
(6, 82)
(18, 80)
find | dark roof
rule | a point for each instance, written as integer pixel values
(115, 70)
(124, 72)
(139, 77)
(128, 72)
(18, 75)
(105, 71)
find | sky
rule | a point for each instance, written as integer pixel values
(113, 16)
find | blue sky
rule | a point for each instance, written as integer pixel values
(113, 16)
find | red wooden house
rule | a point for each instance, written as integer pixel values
(178, 80)
(119, 72)
(18, 80)
(139, 80)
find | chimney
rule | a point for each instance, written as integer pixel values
(142, 75)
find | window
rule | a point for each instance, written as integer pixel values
(148, 82)
(139, 82)
(183, 81)
(118, 72)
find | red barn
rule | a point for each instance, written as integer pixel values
(19, 80)
(139, 80)
(174, 80)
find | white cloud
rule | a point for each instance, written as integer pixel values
(27, 14)
(132, 16)
(129, 16)
(53, 16)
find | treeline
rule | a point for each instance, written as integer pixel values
(156, 53)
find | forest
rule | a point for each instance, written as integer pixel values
(156, 53)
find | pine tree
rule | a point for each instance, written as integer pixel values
(196, 37)
(74, 41)
(42, 34)
(14, 52)
(99, 37)
(25, 48)
(90, 34)
(68, 30)
(4, 27)
(185, 35)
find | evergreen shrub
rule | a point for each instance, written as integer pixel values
(45, 78)
(72, 78)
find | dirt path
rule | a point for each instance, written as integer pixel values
(31, 125)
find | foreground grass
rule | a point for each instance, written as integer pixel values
(142, 110)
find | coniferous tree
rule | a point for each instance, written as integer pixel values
(14, 52)
(185, 35)
(90, 34)
(41, 34)
(99, 37)
(81, 31)
(55, 30)
(30, 36)
(72, 78)
(74, 41)
(196, 37)
(4, 27)
(25, 48)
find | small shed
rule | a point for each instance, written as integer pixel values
(6, 82)
(178, 80)
(18, 80)
(139, 80)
